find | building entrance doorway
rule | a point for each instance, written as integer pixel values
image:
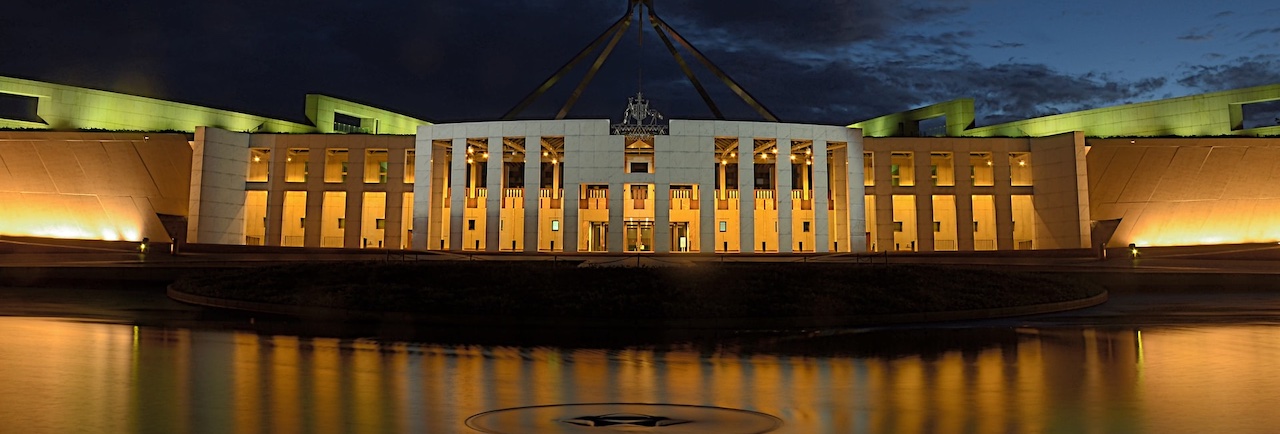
(598, 237)
(639, 236)
(680, 236)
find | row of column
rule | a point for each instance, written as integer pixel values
(923, 190)
(354, 186)
(433, 201)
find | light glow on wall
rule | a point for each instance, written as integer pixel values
(61, 225)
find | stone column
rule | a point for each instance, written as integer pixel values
(923, 161)
(662, 218)
(458, 193)
(821, 191)
(532, 188)
(783, 169)
(315, 197)
(617, 193)
(882, 162)
(351, 235)
(707, 225)
(746, 194)
(1003, 200)
(493, 203)
(425, 199)
(964, 201)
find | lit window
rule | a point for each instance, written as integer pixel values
(555, 225)
(724, 226)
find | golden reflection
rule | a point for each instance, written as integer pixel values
(63, 376)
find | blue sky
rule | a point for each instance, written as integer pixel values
(818, 61)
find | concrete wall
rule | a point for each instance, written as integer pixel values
(64, 107)
(104, 186)
(1060, 175)
(1210, 114)
(219, 166)
(1185, 191)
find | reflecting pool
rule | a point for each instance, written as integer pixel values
(1016, 376)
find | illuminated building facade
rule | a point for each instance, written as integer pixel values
(83, 163)
(572, 186)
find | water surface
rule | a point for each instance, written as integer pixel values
(1144, 363)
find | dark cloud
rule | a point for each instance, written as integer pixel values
(1003, 44)
(826, 61)
(1260, 32)
(1193, 35)
(1242, 72)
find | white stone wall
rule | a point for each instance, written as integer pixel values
(685, 156)
(219, 167)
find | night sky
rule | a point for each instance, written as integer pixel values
(827, 62)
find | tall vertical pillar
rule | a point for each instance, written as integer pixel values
(1003, 200)
(458, 193)
(839, 218)
(425, 200)
(707, 190)
(275, 194)
(532, 188)
(964, 201)
(746, 194)
(393, 213)
(855, 192)
(662, 217)
(821, 191)
(355, 199)
(315, 197)
(882, 160)
(616, 195)
(783, 169)
(493, 203)
(923, 161)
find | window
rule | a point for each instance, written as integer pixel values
(259, 164)
(806, 226)
(471, 225)
(342, 223)
(380, 223)
(639, 167)
(897, 226)
(937, 226)
(19, 107)
(975, 226)
(724, 226)
(555, 225)
(302, 222)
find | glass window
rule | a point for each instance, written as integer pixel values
(259, 164)
(296, 165)
(410, 160)
(942, 169)
(724, 226)
(375, 166)
(902, 169)
(335, 165)
(1020, 168)
(981, 172)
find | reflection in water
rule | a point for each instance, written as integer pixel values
(64, 376)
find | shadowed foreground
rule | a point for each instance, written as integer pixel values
(706, 291)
